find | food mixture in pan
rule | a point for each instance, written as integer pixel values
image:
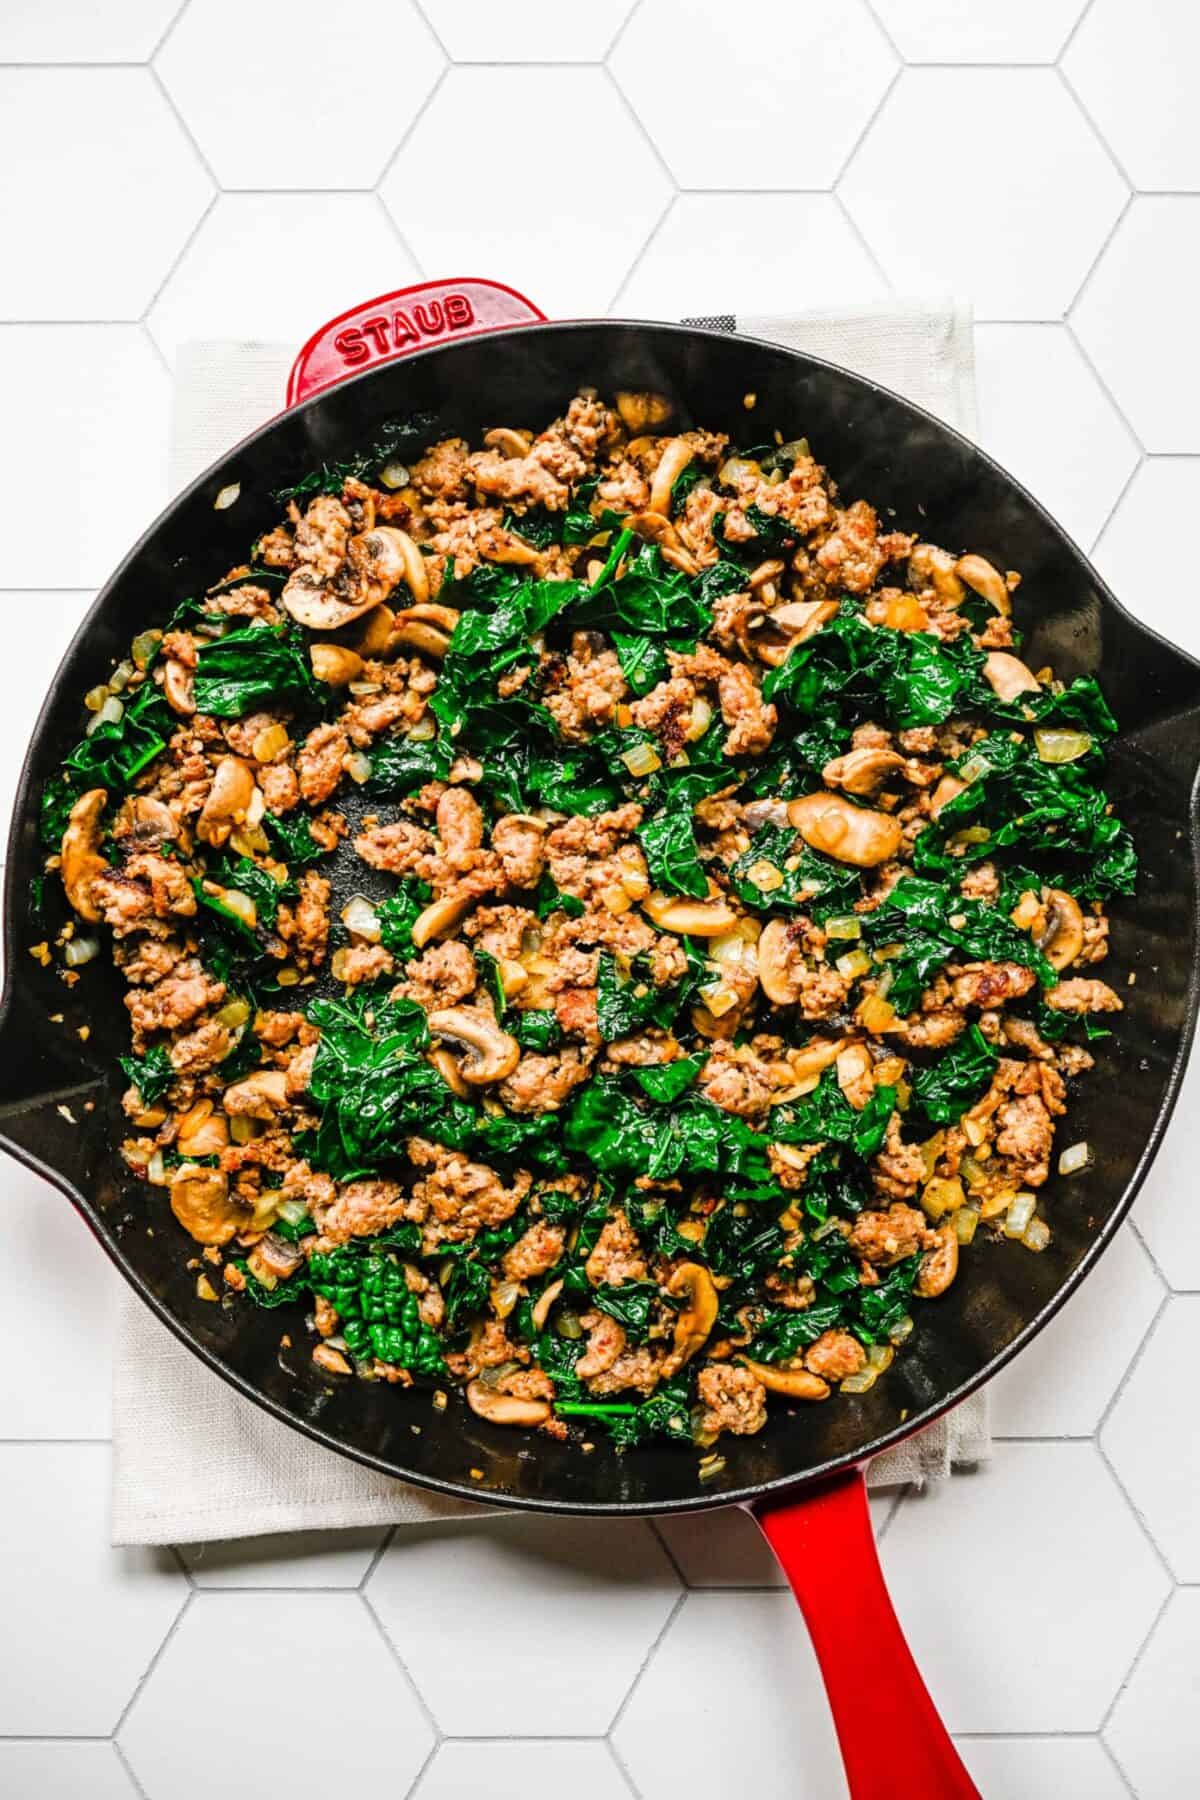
(719, 899)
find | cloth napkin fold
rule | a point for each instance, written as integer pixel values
(192, 1460)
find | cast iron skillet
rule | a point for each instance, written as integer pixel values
(59, 1096)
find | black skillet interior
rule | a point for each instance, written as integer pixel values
(59, 1096)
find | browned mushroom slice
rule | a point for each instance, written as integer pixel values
(505, 1409)
(427, 627)
(694, 918)
(694, 1324)
(797, 1384)
(490, 1053)
(228, 801)
(1008, 677)
(81, 858)
(862, 771)
(773, 634)
(850, 834)
(200, 1201)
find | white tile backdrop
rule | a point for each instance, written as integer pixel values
(248, 168)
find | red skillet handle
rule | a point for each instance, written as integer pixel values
(397, 324)
(893, 1742)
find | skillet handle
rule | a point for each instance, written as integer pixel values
(394, 325)
(892, 1740)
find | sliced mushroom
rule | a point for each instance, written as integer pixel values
(311, 603)
(443, 1061)
(985, 581)
(147, 821)
(947, 789)
(505, 1409)
(694, 1324)
(201, 1132)
(656, 529)
(854, 1068)
(1061, 937)
(641, 411)
(797, 1384)
(427, 627)
(510, 444)
(179, 687)
(805, 1064)
(272, 1259)
(850, 834)
(930, 567)
(780, 964)
(81, 858)
(373, 638)
(780, 630)
(491, 1054)
(416, 575)
(200, 1201)
(228, 801)
(439, 917)
(334, 664)
(938, 1267)
(861, 771)
(1008, 677)
(259, 1095)
(692, 918)
(677, 454)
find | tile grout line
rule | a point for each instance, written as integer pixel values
(364, 1599)
(176, 1622)
(432, 29)
(648, 1658)
(171, 24)
(1101, 380)
(182, 123)
(406, 135)
(1074, 31)
(135, 1779)
(877, 111)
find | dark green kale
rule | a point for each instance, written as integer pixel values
(151, 1074)
(262, 666)
(378, 1316)
(780, 873)
(670, 845)
(946, 1088)
(932, 923)
(537, 1030)
(111, 756)
(667, 1413)
(399, 440)
(293, 839)
(399, 913)
(401, 765)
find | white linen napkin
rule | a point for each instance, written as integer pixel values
(192, 1460)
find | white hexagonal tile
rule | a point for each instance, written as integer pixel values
(1138, 87)
(1060, 1385)
(292, 1559)
(464, 1771)
(91, 1618)
(1045, 417)
(526, 31)
(1019, 1768)
(1135, 320)
(1153, 1437)
(298, 1682)
(101, 154)
(263, 232)
(88, 404)
(731, 107)
(754, 253)
(58, 1382)
(983, 31)
(49, 1771)
(79, 31)
(732, 1703)
(1025, 1590)
(451, 1597)
(988, 220)
(36, 629)
(519, 244)
(1154, 1731)
(280, 96)
(725, 1548)
(1165, 1213)
(1134, 556)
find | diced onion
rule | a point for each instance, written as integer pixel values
(505, 1295)
(966, 1221)
(862, 1383)
(360, 917)
(643, 759)
(143, 647)
(876, 1014)
(95, 697)
(81, 950)
(393, 475)
(269, 743)
(974, 768)
(233, 1014)
(359, 688)
(1017, 1218)
(880, 1357)
(738, 468)
(111, 713)
(901, 1330)
(1075, 1159)
(942, 1195)
(1061, 746)
(568, 1325)
(120, 678)
(765, 876)
(1036, 1235)
(358, 767)
(242, 1128)
(156, 1169)
(853, 964)
(846, 926)
(227, 496)
(292, 1211)
(700, 720)
(823, 1230)
(241, 906)
(423, 730)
